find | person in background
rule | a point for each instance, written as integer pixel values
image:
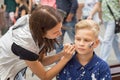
(70, 8)
(29, 5)
(110, 38)
(27, 42)
(9, 8)
(2, 20)
(79, 10)
(85, 64)
(88, 6)
(22, 9)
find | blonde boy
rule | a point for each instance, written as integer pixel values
(85, 64)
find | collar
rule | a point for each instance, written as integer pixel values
(94, 61)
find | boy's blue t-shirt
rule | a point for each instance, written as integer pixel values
(96, 69)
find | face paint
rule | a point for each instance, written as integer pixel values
(91, 44)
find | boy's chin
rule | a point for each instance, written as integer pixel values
(80, 53)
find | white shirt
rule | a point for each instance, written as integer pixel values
(11, 64)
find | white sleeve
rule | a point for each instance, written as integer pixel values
(22, 36)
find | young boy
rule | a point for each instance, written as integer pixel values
(85, 64)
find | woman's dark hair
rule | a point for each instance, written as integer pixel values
(42, 19)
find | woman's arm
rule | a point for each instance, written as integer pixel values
(47, 60)
(30, 5)
(16, 12)
(39, 70)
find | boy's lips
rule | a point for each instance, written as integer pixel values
(81, 49)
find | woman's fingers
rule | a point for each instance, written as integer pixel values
(69, 50)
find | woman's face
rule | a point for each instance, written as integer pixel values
(54, 32)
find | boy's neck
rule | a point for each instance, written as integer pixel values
(84, 59)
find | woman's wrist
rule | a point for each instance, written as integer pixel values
(64, 59)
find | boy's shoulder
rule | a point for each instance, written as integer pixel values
(95, 62)
(101, 62)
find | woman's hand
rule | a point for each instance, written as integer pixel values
(68, 51)
(69, 17)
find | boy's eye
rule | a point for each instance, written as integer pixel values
(86, 40)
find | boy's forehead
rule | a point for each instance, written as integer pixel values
(84, 30)
(85, 33)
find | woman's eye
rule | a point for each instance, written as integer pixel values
(78, 39)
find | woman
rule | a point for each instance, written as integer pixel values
(27, 42)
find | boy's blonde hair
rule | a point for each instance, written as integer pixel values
(88, 24)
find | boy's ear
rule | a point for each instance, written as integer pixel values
(96, 43)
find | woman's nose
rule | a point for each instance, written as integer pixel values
(59, 33)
